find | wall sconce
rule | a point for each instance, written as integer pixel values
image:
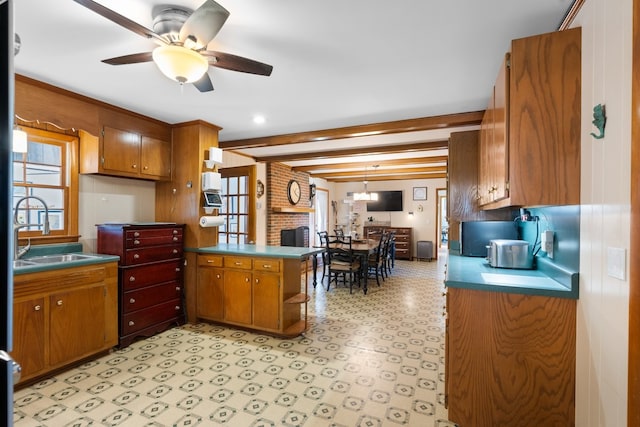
(20, 142)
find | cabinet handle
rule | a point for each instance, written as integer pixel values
(145, 167)
(136, 256)
(257, 281)
(266, 265)
(136, 234)
(37, 308)
(136, 242)
(177, 308)
(210, 261)
(178, 269)
(238, 263)
(178, 288)
(131, 323)
(175, 251)
(59, 302)
(246, 279)
(175, 238)
(132, 301)
(134, 166)
(132, 278)
(175, 231)
(217, 276)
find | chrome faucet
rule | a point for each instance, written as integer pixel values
(17, 251)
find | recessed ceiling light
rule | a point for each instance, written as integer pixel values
(259, 119)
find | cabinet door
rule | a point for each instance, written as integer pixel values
(155, 158)
(72, 314)
(237, 296)
(266, 300)
(485, 178)
(210, 293)
(500, 145)
(28, 336)
(120, 151)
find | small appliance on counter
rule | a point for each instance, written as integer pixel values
(476, 235)
(505, 253)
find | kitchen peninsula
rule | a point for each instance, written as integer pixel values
(257, 287)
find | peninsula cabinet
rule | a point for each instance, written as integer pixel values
(510, 359)
(125, 153)
(262, 293)
(63, 316)
(530, 136)
(150, 276)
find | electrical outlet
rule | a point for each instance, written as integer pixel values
(547, 242)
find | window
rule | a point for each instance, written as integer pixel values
(238, 205)
(49, 171)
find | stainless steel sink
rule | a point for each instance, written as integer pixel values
(53, 259)
(22, 263)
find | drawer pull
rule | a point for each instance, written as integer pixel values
(145, 167)
(136, 242)
(246, 279)
(217, 276)
(131, 323)
(175, 251)
(178, 288)
(266, 265)
(238, 262)
(136, 256)
(132, 279)
(132, 301)
(210, 261)
(175, 239)
(175, 231)
(59, 302)
(37, 308)
(177, 308)
(134, 166)
(136, 234)
(177, 268)
(257, 280)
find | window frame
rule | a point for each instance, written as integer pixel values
(69, 142)
(250, 172)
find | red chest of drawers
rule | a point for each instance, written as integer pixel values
(150, 282)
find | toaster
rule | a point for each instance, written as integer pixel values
(503, 253)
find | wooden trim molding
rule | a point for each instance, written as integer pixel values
(571, 14)
(410, 125)
(633, 392)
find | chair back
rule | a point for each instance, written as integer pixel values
(323, 236)
(379, 253)
(338, 232)
(339, 250)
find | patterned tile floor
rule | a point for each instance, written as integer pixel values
(366, 360)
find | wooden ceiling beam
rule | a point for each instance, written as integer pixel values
(410, 125)
(392, 162)
(397, 177)
(379, 175)
(387, 149)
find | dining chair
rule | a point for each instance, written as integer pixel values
(389, 253)
(338, 232)
(377, 262)
(323, 236)
(342, 261)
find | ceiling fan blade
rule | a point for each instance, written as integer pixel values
(237, 63)
(121, 20)
(203, 24)
(134, 58)
(204, 83)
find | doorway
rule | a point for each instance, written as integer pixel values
(321, 217)
(442, 225)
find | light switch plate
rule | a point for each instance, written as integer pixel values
(617, 263)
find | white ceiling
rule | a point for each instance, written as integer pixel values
(335, 63)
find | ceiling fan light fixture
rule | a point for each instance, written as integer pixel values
(179, 63)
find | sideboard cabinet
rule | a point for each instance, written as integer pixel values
(403, 239)
(150, 276)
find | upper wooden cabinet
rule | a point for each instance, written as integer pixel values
(530, 138)
(124, 153)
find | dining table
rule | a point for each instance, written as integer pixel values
(360, 247)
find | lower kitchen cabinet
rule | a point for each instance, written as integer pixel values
(510, 359)
(265, 294)
(63, 316)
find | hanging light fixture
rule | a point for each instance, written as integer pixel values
(365, 195)
(179, 63)
(20, 142)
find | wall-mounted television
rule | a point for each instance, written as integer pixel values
(388, 201)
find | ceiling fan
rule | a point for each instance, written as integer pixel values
(183, 36)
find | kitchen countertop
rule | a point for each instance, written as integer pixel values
(476, 273)
(256, 250)
(61, 248)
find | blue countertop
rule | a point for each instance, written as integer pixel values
(257, 250)
(476, 273)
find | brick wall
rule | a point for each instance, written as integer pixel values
(278, 177)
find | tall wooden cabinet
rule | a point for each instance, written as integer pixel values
(530, 138)
(150, 276)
